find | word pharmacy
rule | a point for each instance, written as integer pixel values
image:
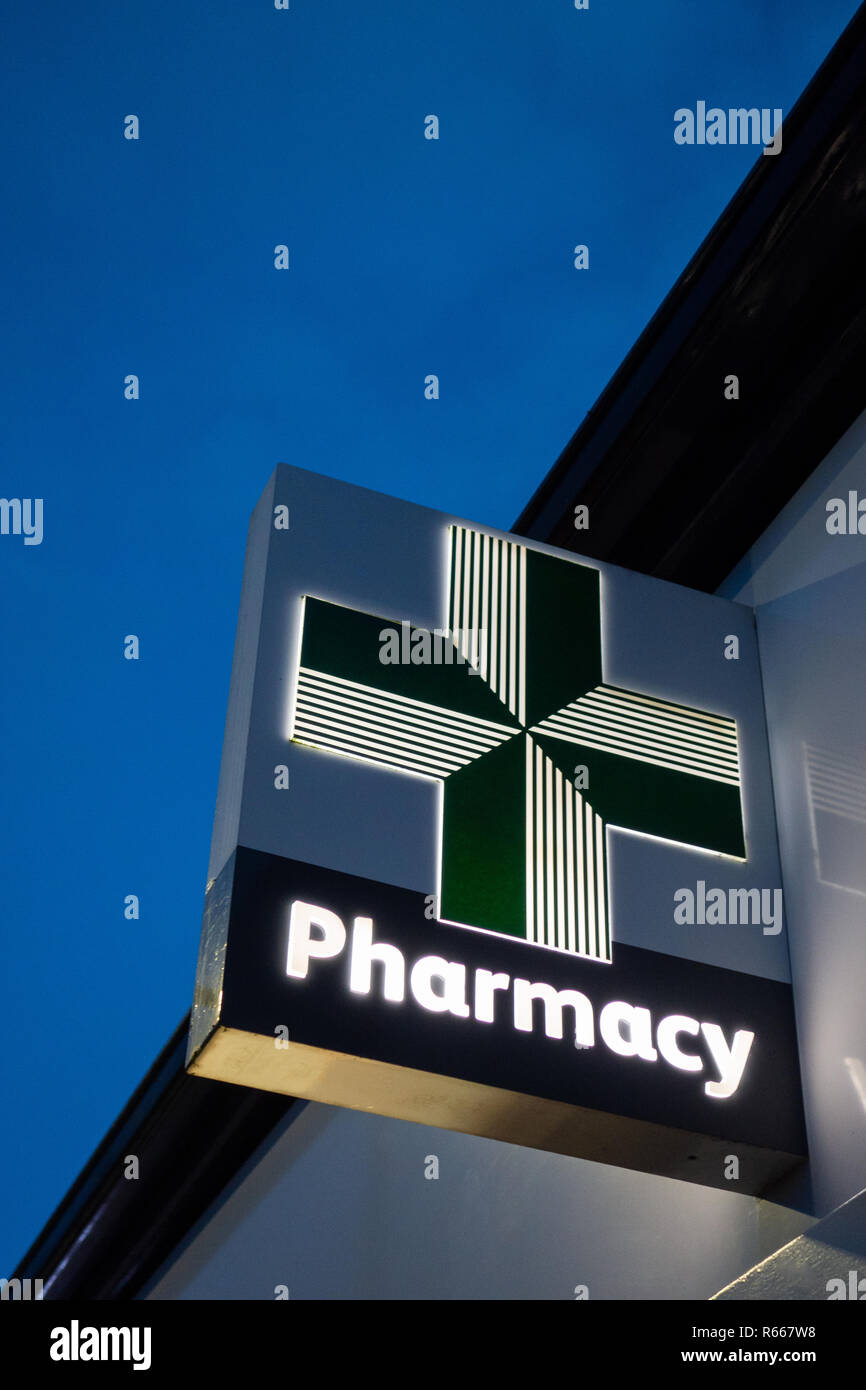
(440, 986)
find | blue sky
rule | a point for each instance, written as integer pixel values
(156, 257)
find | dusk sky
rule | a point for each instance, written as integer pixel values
(261, 127)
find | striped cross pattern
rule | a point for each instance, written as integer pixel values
(514, 705)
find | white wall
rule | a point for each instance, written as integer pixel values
(338, 1207)
(809, 592)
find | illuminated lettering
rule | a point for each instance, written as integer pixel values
(441, 986)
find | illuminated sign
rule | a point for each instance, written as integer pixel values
(442, 986)
(413, 907)
(523, 849)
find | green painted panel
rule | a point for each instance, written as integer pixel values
(640, 796)
(342, 642)
(484, 842)
(563, 634)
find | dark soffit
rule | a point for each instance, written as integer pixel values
(679, 481)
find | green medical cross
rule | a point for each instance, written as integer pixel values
(537, 755)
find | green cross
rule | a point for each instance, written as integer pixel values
(537, 755)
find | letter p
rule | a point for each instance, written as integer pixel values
(302, 947)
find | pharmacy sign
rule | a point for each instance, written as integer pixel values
(419, 904)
